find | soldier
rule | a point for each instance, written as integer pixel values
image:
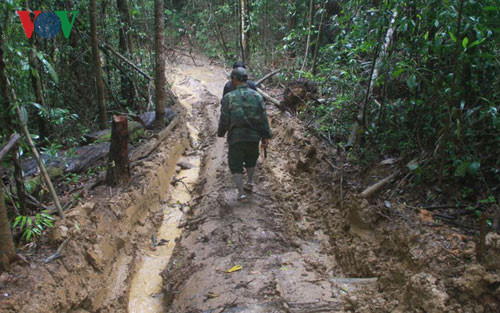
(244, 118)
(229, 85)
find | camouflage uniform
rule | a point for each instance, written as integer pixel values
(244, 118)
(228, 87)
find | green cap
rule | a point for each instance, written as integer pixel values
(240, 74)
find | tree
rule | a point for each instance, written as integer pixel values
(36, 82)
(101, 100)
(7, 249)
(308, 37)
(18, 173)
(125, 43)
(160, 77)
(244, 33)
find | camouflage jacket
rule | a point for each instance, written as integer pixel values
(243, 116)
(228, 87)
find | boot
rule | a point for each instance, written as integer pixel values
(249, 185)
(238, 179)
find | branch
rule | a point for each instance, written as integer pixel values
(14, 138)
(108, 47)
(260, 81)
(373, 189)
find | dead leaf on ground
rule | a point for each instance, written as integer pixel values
(426, 216)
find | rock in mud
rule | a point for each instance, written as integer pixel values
(185, 165)
(478, 282)
(423, 291)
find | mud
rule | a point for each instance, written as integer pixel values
(297, 247)
(106, 235)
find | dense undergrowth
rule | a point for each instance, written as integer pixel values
(433, 103)
(435, 99)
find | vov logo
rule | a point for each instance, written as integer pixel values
(47, 24)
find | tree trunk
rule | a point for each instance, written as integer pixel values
(101, 100)
(222, 41)
(7, 250)
(361, 118)
(308, 38)
(318, 38)
(19, 181)
(118, 164)
(291, 21)
(125, 43)
(18, 173)
(37, 87)
(160, 78)
(244, 33)
(5, 93)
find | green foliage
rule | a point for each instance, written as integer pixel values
(33, 228)
(437, 84)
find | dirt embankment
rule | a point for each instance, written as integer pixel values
(300, 250)
(105, 235)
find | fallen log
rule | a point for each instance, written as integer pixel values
(260, 81)
(144, 151)
(11, 143)
(135, 129)
(373, 189)
(118, 172)
(87, 156)
(269, 98)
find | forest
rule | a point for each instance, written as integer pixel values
(400, 97)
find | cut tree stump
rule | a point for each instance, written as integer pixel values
(118, 163)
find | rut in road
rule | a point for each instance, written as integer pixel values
(282, 254)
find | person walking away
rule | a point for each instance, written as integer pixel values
(228, 87)
(244, 119)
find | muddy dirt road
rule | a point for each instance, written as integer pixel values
(176, 240)
(294, 248)
(291, 247)
(280, 267)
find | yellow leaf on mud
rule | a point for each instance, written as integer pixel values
(234, 269)
(212, 295)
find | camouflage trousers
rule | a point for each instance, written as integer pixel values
(242, 154)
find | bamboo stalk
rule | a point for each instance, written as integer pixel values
(39, 161)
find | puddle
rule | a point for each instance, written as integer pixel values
(145, 292)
